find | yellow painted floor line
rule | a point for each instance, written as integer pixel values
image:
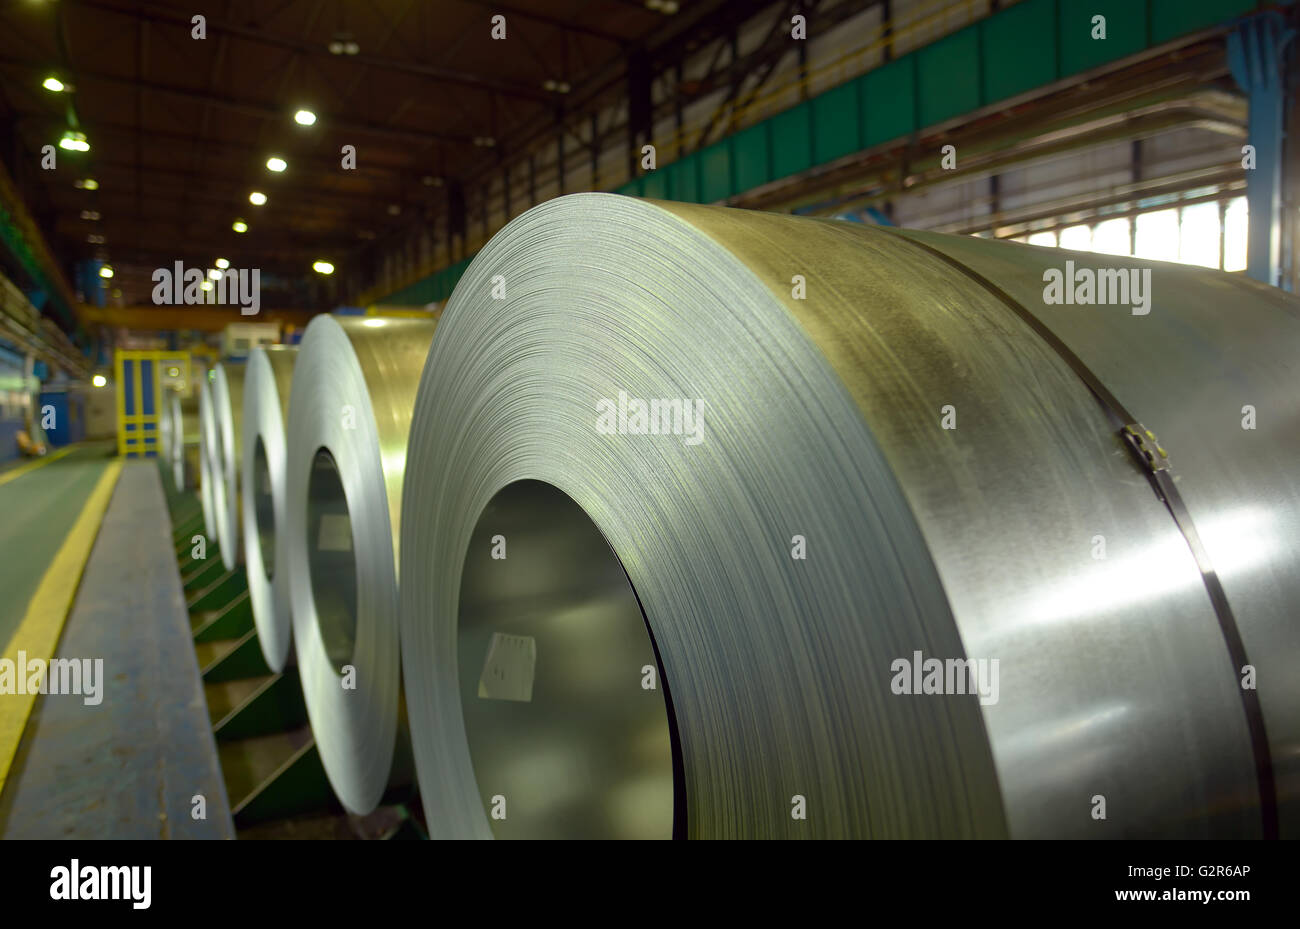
(38, 633)
(35, 463)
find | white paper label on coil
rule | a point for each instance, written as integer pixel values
(508, 668)
(334, 534)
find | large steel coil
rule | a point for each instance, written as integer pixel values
(182, 435)
(165, 425)
(266, 410)
(173, 437)
(353, 391)
(228, 408)
(211, 494)
(842, 471)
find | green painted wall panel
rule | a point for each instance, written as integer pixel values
(458, 271)
(750, 157)
(715, 172)
(1019, 49)
(435, 287)
(792, 141)
(947, 77)
(655, 185)
(683, 180)
(631, 189)
(835, 123)
(888, 101)
(1126, 33)
(1172, 18)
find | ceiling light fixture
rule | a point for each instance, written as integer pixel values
(54, 85)
(106, 271)
(322, 267)
(222, 263)
(74, 141)
(304, 118)
(276, 163)
(343, 44)
(257, 198)
(239, 226)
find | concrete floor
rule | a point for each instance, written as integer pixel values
(37, 509)
(132, 765)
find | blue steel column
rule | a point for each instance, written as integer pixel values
(1256, 48)
(90, 283)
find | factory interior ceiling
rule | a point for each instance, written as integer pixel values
(182, 129)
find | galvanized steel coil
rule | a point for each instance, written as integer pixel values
(183, 435)
(173, 431)
(266, 410)
(211, 492)
(901, 454)
(165, 425)
(228, 407)
(353, 390)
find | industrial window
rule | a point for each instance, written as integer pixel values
(1234, 235)
(1113, 237)
(1211, 234)
(1078, 238)
(1198, 238)
(1156, 237)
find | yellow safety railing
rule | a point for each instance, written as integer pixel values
(139, 379)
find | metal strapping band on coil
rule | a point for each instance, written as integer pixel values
(1153, 458)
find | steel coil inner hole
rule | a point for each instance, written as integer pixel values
(566, 709)
(331, 561)
(264, 508)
